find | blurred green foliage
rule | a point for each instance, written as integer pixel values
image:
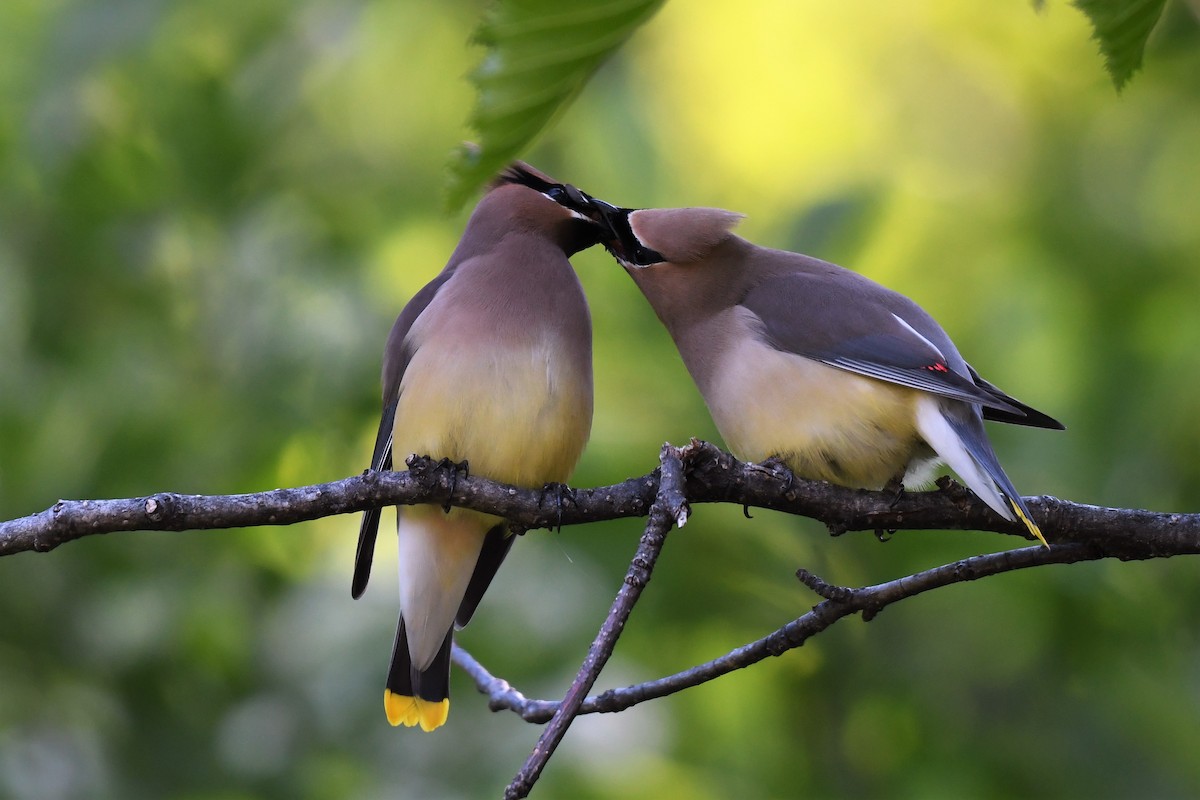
(210, 213)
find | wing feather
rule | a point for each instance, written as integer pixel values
(396, 357)
(839, 318)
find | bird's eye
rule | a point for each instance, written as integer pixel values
(555, 193)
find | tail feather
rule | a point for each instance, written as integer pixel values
(440, 558)
(366, 551)
(381, 460)
(1019, 507)
(417, 697)
(438, 553)
(495, 547)
(961, 441)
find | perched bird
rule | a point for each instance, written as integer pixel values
(798, 359)
(490, 363)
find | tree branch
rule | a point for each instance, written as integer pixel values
(712, 477)
(669, 508)
(698, 473)
(840, 603)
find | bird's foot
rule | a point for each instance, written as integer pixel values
(894, 491)
(430, 472)
(455, 468)
(562, 494)
(779, 468)
(895, 488)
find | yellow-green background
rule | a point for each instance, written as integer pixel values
(211, 212)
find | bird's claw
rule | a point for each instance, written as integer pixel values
(895, 487)
(776, 464)
(455, 468)
(562, 493)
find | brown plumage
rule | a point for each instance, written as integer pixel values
(490, 363)
(802, 360)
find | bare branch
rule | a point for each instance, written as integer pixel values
(840, 603)
(712, 477)
(424, 482)
(500, 693)
(669, 508)
(698, 473)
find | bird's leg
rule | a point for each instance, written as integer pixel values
(455, 468)
(775, 464)
(895, 487)
(561, 492)
(778, 469)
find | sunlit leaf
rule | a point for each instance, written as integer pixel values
(540, 54)
(1122, 28)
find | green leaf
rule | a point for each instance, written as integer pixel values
(1122, 28)
(540, 54)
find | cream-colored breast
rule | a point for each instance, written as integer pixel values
(519, 413)
(825, 423)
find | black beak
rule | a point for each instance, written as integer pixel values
(606, 215)
(623, 243)
(616, 234)
(613, 221)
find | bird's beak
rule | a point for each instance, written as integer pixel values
(606, 215)
(613, 221)
(610, 219)
(619, 238)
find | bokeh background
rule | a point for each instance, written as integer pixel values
(211, 212)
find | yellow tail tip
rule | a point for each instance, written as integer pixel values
(1031, 525)
(409, 711)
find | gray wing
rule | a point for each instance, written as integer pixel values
(395, 360)
(839, 318)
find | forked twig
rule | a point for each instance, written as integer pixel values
(669, 509)
(840, 602)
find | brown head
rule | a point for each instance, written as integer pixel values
(650, 236)
(522, 198)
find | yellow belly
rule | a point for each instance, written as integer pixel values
(519, 415)
(824, 423)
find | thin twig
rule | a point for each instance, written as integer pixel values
(500, 693)
(669, 508)
(845, 602)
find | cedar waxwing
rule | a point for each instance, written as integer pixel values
(840, 378)
(490, 363)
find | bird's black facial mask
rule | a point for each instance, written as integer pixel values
(588, 228)
(564, 194)
(618, 237)
(624, 244)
